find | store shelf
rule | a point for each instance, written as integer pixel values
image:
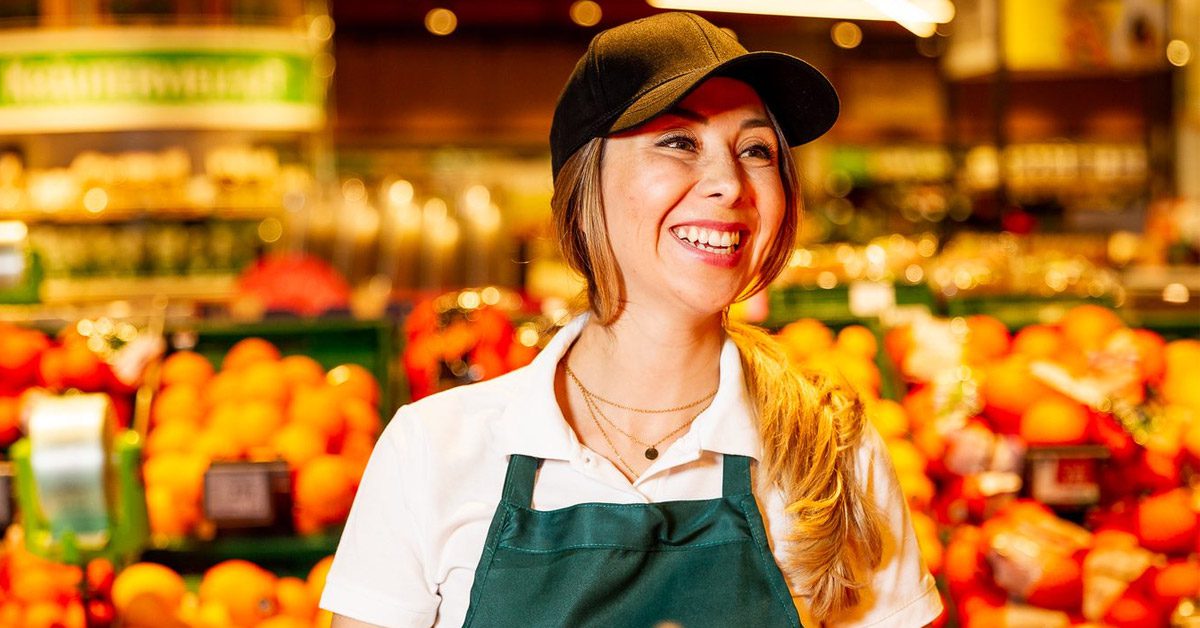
(148, 214)
(1017, 311)
(206, 288)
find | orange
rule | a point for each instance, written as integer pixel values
(1179, 578)
(177, 436)
(898, 342)
(930, 442)
(1055, 421)
(317, 575)
(224, 387)
(82, 368)
(1166, 522)
(318, 407)
(1038, 342)
(927, 539)
(246, 590)
(147, 579)
(1182, 356)
(36, 583)
(1060, 585)
(356, 450)
(324, 489)
(180, 472)
(1009, 389)
(295, 600)
(906, 458)
(44, 615)
(302, 371)
(806, 337)
(258, 421)
(181, 402)
(12, 613)
(361, 416)
(888, 417)
(1087, 327)
(216, 444)
(1191, 439)
(987, 339)
(1130, 611)
(186, 367)
(298, 443)
(264, 381)
(285, 621)
(352, 380)
(1152, 358)
(918, 489)
(324, 617)
(858, 340)
(862, 374)
(918, 405)
(962, 557)
(168, 515)
(247, 352)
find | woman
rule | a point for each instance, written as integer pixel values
(610, 483)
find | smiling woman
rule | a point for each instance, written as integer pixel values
(656, 464)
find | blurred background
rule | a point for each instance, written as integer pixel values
(254, 228)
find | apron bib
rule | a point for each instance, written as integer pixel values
(678, 564)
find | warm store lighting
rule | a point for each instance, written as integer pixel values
(441, 21)
(12, 231)
(919, 16)
(1178, 53)
(846, 35)
(586, 13)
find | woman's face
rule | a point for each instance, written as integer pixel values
(693, 198)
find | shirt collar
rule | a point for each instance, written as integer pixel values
(532, 423)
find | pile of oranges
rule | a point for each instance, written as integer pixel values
(232, 594)
(1147, 517)
(850, 355)
(30, 361)
(259, 406)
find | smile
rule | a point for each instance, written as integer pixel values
(710, 240)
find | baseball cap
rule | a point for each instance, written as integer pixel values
(635, 71)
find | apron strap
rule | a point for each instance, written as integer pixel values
(737, 475)
(518, 482)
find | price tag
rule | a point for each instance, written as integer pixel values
(246, 494)
(870, 298)
(1064, 481)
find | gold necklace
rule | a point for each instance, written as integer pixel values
(651, 452)
(608, 440)
(638, 410)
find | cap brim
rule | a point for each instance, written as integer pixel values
(797, 94)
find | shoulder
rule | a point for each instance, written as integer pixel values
(455, 420)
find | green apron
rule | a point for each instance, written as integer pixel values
(694, 564)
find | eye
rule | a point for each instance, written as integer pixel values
(759, 150)
(678, 142)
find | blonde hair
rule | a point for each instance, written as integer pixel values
(808, 423)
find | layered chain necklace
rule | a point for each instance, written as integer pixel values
(592, 400)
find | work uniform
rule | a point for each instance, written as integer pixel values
(480, 507)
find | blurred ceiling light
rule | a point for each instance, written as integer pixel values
(585, 13)
(1178, 52)
(321, 28)
(846, 35)
(919, 16)
(441, 21)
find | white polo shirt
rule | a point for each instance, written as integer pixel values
(408, 554)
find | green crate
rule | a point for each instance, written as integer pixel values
(284, 555)
(832, 305)
(329, 341)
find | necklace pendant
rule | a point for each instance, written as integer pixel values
(651, 453)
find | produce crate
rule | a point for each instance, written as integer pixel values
(832, 305)
(285, 555)
(329, 341)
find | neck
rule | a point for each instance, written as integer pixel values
(648, 360)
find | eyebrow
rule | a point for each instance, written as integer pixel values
(688, 114)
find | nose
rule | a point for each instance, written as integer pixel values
(721, 178)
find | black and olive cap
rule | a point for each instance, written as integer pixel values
(635, 71)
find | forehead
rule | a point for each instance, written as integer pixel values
(721, 94)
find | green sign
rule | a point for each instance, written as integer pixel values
(116, 79)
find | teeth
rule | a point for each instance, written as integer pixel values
(709, 239)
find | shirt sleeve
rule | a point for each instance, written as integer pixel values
(902, 591)
(379, 573)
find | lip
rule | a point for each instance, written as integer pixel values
(715, 259)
